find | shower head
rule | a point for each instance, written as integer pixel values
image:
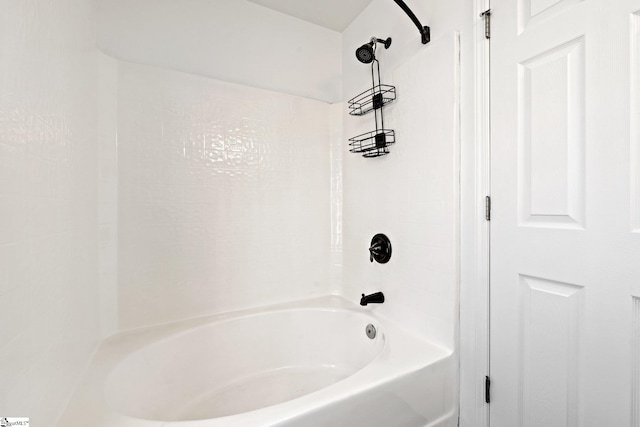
(367, 52)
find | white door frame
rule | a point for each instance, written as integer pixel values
(475, 290)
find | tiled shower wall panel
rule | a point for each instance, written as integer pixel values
(337, 148)
(223, 196)
(108, 192)
(411, 194)
(49, 322)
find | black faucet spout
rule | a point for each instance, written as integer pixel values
(377, 298)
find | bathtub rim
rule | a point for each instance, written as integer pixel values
(89, 397)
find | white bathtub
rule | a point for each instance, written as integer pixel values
(305, 364)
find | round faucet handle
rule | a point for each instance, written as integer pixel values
(380, 249)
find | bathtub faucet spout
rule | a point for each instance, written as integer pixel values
(377, 298)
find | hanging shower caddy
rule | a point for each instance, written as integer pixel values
(374, 143)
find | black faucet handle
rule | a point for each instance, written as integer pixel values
(374, 251)
(380, 249)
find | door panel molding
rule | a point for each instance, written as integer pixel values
(635, 121)
(635, 362)
(531, 12)
(551, 337)
(551, 137)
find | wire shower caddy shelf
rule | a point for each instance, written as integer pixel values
(376, 142)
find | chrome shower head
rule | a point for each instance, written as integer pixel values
(367, 52)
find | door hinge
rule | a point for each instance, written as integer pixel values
(487, 23)
(487, 389)
(487, 208)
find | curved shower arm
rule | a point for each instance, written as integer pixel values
(425, 31)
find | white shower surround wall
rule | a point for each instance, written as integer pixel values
(411, 195)
(223, 196)
(49, 321)
(420, 207)
(193, 232)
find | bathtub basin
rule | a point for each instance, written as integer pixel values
(242, 364)
(304, 364)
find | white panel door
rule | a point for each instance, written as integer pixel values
(565, 226)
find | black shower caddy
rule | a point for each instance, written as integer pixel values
(376, 142)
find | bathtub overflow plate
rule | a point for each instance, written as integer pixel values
(371, 331)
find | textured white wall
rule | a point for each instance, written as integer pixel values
(231, 40)
(336, 163)
(108, 192)
(223, 196)
(416, 236)
(412, 194)
(49, 320)
(209, 174)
